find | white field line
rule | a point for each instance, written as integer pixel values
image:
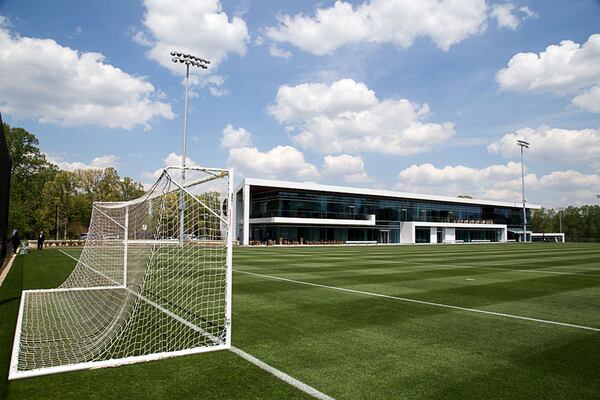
(429, 303)
(282, 375)
(274, 371)
(7, 269)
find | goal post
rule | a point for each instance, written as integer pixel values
(153, 281)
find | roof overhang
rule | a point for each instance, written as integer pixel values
(317, 187)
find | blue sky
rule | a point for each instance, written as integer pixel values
(425, 96)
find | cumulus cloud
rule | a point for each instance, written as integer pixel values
(589, 99)
(171, 160)
(501, 182)
(232, 137)
(564, 69)
(55, 84)
(552, 144)
(101, 162)
(281, 162)
(347, 117)
(400, 22)
(508, 16)
(275, 51)
(350, 169)
(196, 27)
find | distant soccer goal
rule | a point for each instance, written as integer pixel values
(153, 281)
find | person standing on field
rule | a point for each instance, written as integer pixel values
(41, 240)
(16, 241)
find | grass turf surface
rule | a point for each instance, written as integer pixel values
(352, 345)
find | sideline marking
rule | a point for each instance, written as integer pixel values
(281, 375)
(7, 269)
(429, 303)
(248, 357)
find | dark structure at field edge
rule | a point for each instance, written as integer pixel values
(5, 174)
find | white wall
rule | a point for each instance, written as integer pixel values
(449, 234)
(407, 232)
(433, 234)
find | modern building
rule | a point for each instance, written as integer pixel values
(283, 212)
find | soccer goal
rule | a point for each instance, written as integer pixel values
(153, 281)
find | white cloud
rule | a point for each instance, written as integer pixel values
(281, 162)
(232, 137)
(551, 144)
(564, 69)
(508, 16)
(504, 16)
(350, 169)
(275, 51)
(171, 160)
(445, 22)
(215, 91)
(589, 99)
(97, 163)
(501, 182)
(140, 38)
(200, 28)
(54, 84)
(347, 117)
(528, 12)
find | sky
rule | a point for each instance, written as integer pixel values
(426, 97)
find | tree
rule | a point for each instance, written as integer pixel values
(30, 173)
(130, 189)
(578, 223)
(41, 193)
(106, 185)
(59, 196)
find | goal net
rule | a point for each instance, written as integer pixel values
(153, 281)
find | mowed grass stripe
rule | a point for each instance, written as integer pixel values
(566, 298)
(353, 346)
(428, 303)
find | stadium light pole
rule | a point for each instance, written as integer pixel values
(560, 210)
(188, 60)
(524, 145)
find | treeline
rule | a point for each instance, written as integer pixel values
(579, 224)
(43, 197)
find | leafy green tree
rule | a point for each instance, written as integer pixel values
(130, 189)
(59, 194)
(30, 173)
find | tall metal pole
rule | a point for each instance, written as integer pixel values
(523, 144)
(188, 60)
(185, 117)
(560, 220)
(183, 157)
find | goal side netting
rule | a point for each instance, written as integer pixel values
(153, 281)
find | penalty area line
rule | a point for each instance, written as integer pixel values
(428, 303)
(281, 375)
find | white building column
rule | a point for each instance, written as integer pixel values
(433, 234)
(449, 234)
(246, 198)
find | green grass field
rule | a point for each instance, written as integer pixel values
(392, 334)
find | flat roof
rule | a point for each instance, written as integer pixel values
(317, 187)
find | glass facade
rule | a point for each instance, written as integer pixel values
(267, 202)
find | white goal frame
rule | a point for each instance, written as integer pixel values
(221, 343)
